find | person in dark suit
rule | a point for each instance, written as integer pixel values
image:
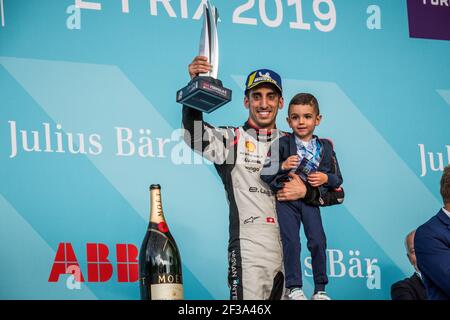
(432, 244)
(411, 288)
(314, 161)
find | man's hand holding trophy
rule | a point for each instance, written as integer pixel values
(205, 92)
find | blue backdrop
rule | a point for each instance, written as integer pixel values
(88, 121)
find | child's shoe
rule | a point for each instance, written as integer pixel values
(320, 295)
(296, 294)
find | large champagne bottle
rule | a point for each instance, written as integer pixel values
(160, 275)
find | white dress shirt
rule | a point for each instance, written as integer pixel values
(446, 212)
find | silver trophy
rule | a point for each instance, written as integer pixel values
(205, 92)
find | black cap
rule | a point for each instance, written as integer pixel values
(155, 186)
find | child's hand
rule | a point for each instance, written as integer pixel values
(290, 163)
(317, 179)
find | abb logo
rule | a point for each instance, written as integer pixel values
(99, 267)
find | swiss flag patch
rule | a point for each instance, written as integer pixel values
(270, 220)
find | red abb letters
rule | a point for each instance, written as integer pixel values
(99, 267)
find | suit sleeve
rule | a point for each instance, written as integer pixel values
(210, 142)
(401, 291)
(331, 198)
(433, 257)
(334, 179)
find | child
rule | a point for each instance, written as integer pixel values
(314, 160)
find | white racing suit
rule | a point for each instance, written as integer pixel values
(254, 250)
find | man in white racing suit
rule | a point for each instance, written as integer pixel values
(238, 153)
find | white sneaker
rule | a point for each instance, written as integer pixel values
(296, 294)
(320, 295)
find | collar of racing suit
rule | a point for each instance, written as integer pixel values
(260, 134)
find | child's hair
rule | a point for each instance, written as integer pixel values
(305, 99)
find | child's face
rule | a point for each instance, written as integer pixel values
(303, 119)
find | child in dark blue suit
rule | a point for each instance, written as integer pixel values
(314, 160)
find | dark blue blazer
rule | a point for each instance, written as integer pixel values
(432, 246)
(274, 176)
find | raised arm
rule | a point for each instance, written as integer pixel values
(209, 141)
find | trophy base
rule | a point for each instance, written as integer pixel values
(204, 93)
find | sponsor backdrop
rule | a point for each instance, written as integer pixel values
(88, 121)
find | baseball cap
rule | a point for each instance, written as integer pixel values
(257, 77)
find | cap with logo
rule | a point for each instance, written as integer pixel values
(260, 76)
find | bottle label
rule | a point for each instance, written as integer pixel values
(156, 210)
(167, 291)
(165, 278)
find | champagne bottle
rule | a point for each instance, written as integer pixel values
(160, 275)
